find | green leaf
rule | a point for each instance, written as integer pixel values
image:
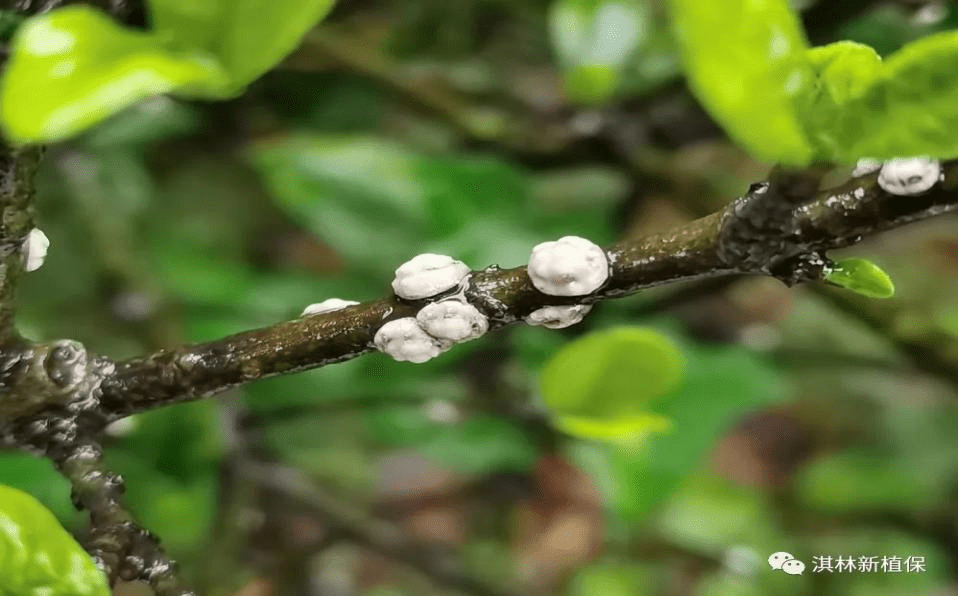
(600, 385)
(248, 37)
(144, 123)
(749, 62)
(862, 277)
(591, 83)
(627, 428)
(905, 106)
(73, 67)
(845, 70)
(721, 384)
(37, 556)
(911, 108)
(594, 41)
(746, 62)
(361, 196)
(379, 203)
(859, 480)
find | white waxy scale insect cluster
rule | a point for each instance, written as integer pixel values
(909, 175)
(405, 340)
(569, 266)
(34, 249)
(427, 275)
(558, 317)
(329, 305)
(437, 326)
(452, 320)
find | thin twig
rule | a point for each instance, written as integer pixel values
(17, 169)
(118, 545)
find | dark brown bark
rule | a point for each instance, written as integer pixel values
(743, 238)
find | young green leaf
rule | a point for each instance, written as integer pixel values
(71, 68)
(600, 386)
(37, 556)
(904, 106)
(861, 276)
(248, 37)
(912, 108)
(746, 62)
(844, 72)
(720, 385)
(626, 429)
(749, 63)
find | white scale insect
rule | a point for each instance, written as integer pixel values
(569, 266)
(427, 275)
(558, 317)
(909, 175)
(34, 249)
(405, 340)
(328, 305)
(437, 326)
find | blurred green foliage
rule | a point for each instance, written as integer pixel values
(595, 42)
(719, 386)
(173, 222)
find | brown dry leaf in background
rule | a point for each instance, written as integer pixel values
(560, 528)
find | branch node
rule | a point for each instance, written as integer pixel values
(760, 228)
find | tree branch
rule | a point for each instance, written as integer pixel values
(118, 545)
(756, 227)
(712, 246)
(17, 168)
